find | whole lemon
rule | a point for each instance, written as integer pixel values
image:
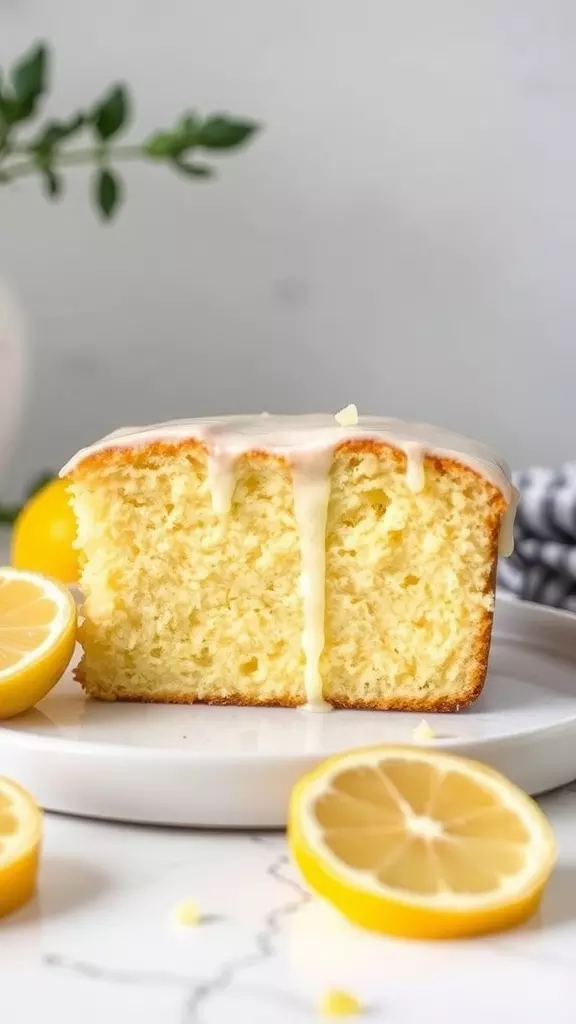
(44, 534)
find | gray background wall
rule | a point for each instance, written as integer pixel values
(403, 235)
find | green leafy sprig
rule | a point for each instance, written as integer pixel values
(45, 149)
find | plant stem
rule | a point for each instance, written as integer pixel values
(74, 158)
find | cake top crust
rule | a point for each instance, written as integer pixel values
(295, 436)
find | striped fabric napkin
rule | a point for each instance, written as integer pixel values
(543, 566)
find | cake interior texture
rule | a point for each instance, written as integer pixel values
(184, 605)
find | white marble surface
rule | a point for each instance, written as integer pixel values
(99, 942)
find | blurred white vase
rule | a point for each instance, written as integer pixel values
(12, 371)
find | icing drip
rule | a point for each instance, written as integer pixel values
(308, 443)
(506, 536)
(311, 480)
(414, 467)
(221, 480)
(290, 436)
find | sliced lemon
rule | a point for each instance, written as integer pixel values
(418, 843)
(37, 637)
(20, 836)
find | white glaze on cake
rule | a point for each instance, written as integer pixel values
(311, 483)
(308, 443)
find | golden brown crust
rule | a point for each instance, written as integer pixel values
(445, 704)
(481, 651)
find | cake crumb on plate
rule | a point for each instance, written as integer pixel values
(423, 732)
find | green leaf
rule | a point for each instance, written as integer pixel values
(56, 131)
(8, 514)
(10, 110)
(217, 132)
(112, 113)
(4, 127)
(193, 170)
(161, 145)
(52, 182)
(165, 145)
(222, 132)
(108, 192)
(188, 130)
(28, 78)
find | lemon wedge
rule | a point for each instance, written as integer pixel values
(37, 637)
(20, 836)
(418, 843)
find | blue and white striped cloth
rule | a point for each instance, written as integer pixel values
(543, 566)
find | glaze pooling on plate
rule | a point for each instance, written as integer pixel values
(308, 443)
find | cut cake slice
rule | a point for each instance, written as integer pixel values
(289, 561)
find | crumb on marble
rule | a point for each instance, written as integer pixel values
(187, 914)
(336, 1003)
(347, 417)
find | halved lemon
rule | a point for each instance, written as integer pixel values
(37, 637)
(417, 843)
(20, 836)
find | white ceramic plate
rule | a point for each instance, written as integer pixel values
(235, 767)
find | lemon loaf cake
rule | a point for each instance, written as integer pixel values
(289, 560)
